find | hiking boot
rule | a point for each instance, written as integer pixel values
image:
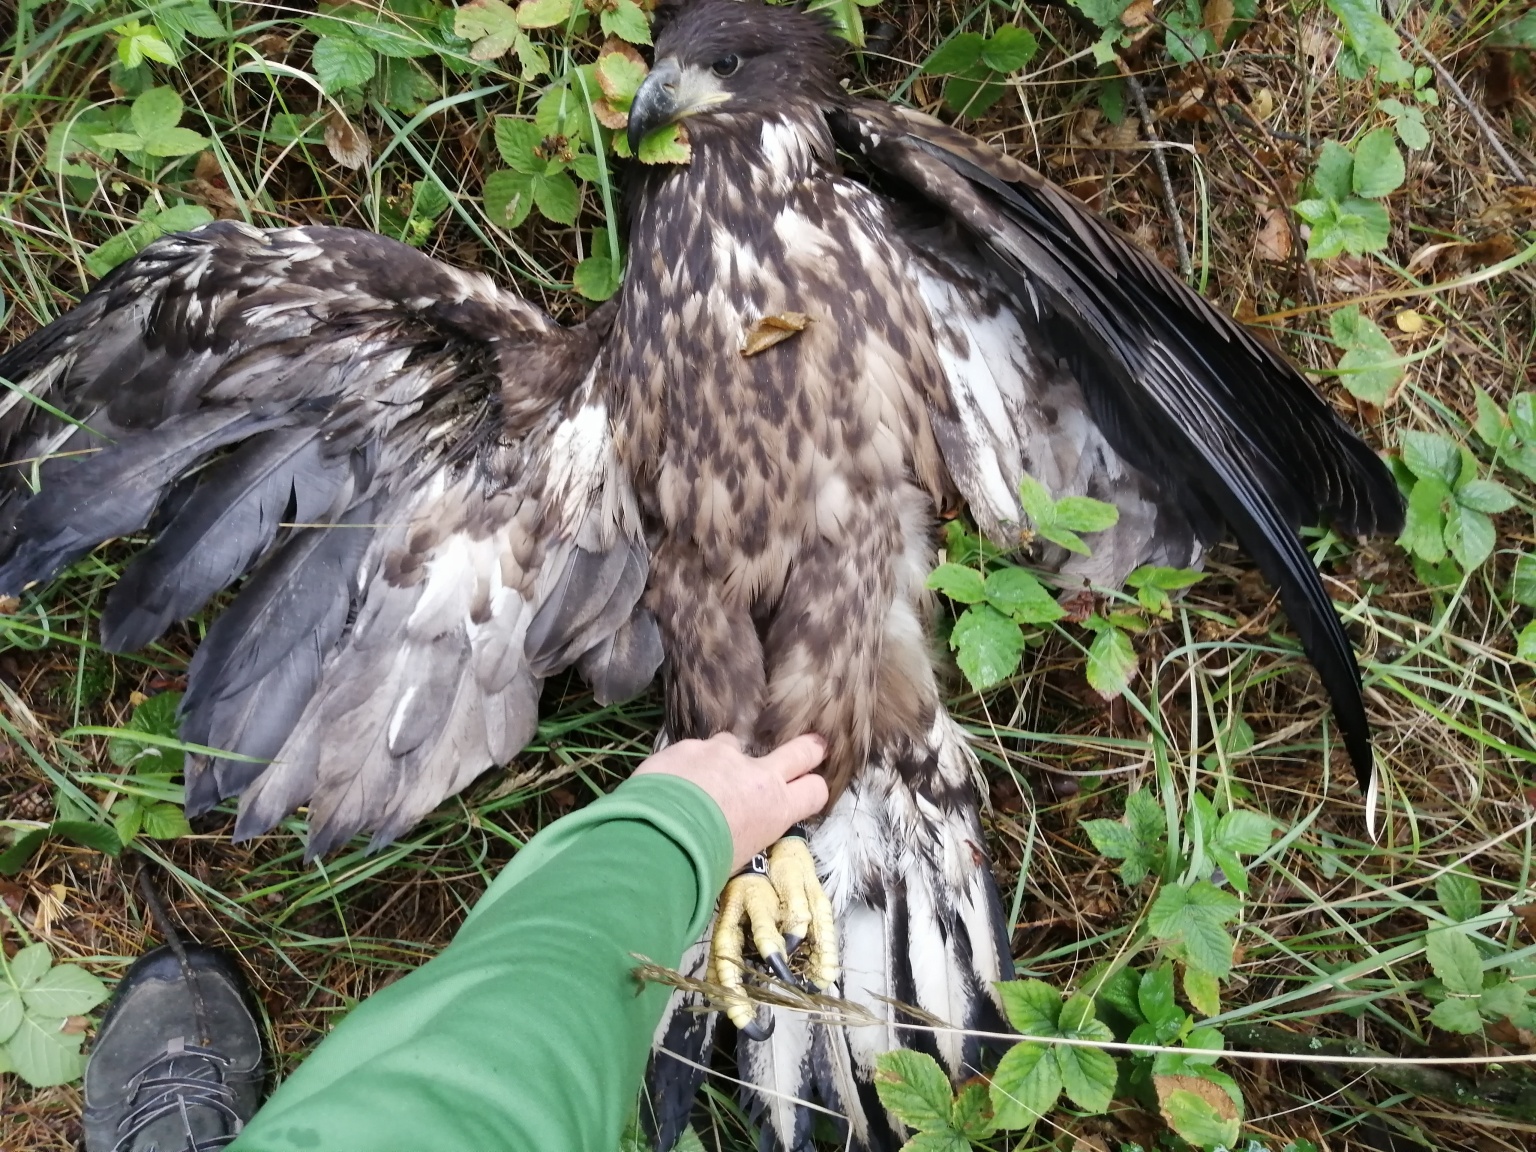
(177, 1064)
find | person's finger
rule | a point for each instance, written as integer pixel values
(805, 797)
(797, 757)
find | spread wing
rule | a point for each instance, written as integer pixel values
(408, 472)
(1224, 430)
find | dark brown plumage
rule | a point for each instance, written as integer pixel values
(441, 497)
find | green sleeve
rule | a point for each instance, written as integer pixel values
(528, 1031)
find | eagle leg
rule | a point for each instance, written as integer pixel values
(780, 899)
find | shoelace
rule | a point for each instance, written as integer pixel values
(161, 1089)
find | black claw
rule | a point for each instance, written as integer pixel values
(780, 966)
(791, 942)
(756, 1032)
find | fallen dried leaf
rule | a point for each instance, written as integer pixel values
(1212, 1094)
(1273, 242)
(1138, 14)
(75, 1025)
(8, 604)
(347, 145)
(1409, 321)
(1218, 19)
(771, 330)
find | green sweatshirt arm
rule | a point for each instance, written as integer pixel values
(528, 1030)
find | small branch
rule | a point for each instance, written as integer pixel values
(1516, 173)
(1181, 244)
(1512, 1096)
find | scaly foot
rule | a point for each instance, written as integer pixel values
(781, 901)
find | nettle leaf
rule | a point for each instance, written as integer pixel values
(1196, 917)
(1032, 1006)
(1111, 662)
(342, 62)
(1020, 594)
(1370, 367)
(1455, 960)
(1025, 1086)
(914, 1087)
(958, 582)
(1379, 169)
(988, 646)
(627, 22)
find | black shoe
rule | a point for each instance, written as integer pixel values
(177, 1064)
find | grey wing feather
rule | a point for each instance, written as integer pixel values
(406, 466)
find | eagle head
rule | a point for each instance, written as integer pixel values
(718, 61)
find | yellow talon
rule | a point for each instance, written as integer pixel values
(789, 897)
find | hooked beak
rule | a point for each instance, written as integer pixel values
(657, 103)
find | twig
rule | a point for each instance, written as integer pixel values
(1181, 245)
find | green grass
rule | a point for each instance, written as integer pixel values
(1331, 937)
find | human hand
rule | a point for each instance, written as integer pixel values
(761, 796)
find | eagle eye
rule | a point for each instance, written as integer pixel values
(726, 65)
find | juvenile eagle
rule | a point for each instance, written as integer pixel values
(438, 498)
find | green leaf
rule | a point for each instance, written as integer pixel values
(1484, 496)
(1379, 169)
(517, 142)
(195, 18)
(1334, 176)
(1025, 1085)
(665, 146)
(1243, 831)
(1370, 367)
(1370, 42)
(29, 964)
(1117, 841)
(1430, 456)
(944, 1140)
(128, 817)
(1144, 814)
(1020, 595)
(1505, 999)
(543, 13)
(180, 218)
(1525, 649)
(43, 1054)
(1203, 990)
(596, 277)
(1111, 662)
(1469, 535)
(155, 716)
(342, 62)
(1009, 49)
(1154, 995)
(1518, 33)
(97, 837)
(987, 644)
(972, 92)
(1085, 514)
(15, 858)
(1424, 525)
(139, 43)
(1196, 917)
(1352, 225)
(508, 197)
(914, 1087)
(1457, 1015)
(1197, 1121)
(1032, 1006)
(1523, 583)
(958, 583)
(557, 197)
(162, 821)
(971, 1114)
(1088, 1076)
(490, 26)
(10, 1012)
(64, 990)
(627, 21)
(956, 54)
(154, 111)
(1455, 960)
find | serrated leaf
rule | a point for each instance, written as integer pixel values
(1025, 1085)
(1020, 595)
(557, 197)
(1430, 456)
(971, 1114)
(619, 76)
(26, 968)
(1424, 525)
(15, 858)
(627, 22)
(154, 111)
(1370, 367)
(1203, 990)
(1243, 831)
(1379, 169)
(43, 1054)
(1032, 1006)
(1196, 917)
(1145, 815)
(1506, 1000)
(1455, 960)
(508, 197)
(987, 646)
(543, 13)
(1525, 649)
(945, 1140)
(1334, 176)
(179, 218)
(490, 26)
(1197, 1119)
(1154, 995)
(97, 837)
(958, 582)
(1484, 496)
(956, 54)
(1457, 1015)
(1111, 662)
(342, 62)
(914, 1087)
(164, 821)
(170, 142)
(1370, 42)
(1009, 49)
(1088, 1077)
(596, 277)
(1085, 514)
(64, 990)
(1469, 535)
(667, 145)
